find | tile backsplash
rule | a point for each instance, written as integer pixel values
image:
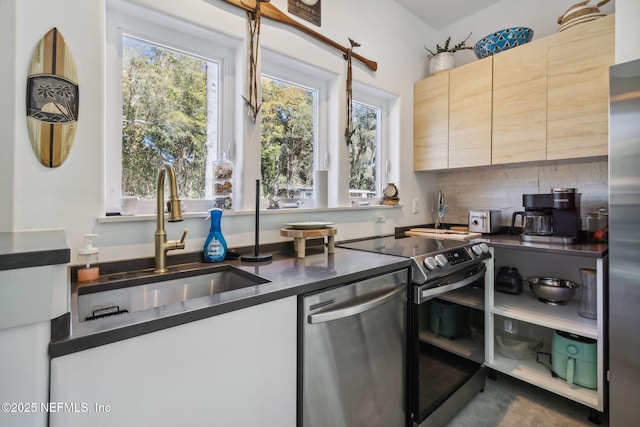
(502, 187)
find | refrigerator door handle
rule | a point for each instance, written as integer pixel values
(352, 310)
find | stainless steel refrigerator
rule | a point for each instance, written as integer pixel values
(624, 244)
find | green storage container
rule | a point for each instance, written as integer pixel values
(575, 359)
(447, 319)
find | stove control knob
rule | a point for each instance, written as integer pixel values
(477, 249)
(485, 247)
(441, 260)
(430, 263)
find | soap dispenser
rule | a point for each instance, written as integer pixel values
(215, 247)
(88, 260)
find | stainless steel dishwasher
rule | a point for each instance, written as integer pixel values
(352, 363)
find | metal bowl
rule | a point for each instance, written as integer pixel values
(552, 290)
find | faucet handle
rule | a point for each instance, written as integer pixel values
(184, 235)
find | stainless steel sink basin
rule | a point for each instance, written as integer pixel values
(126, 295)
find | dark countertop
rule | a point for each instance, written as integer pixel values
(505, 240)
(287, 275)
(24, 249)
(590, 250)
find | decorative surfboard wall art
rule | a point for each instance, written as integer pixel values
(52, 100)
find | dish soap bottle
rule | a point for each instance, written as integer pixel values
(215, 247)
(88, 260)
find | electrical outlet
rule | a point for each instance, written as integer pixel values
(379, 218)
(416, 206)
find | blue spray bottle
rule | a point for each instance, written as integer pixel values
(215, 247)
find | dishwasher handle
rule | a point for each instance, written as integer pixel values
(352, 310)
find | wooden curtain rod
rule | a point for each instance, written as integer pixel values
(270, 11)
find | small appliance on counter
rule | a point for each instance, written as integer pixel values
(550, 218)
(574, 359)
(484, 221)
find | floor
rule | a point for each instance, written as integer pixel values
(509, 402)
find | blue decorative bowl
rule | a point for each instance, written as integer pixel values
(502, 40)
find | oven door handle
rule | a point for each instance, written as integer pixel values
(429, 293)
(352, 310)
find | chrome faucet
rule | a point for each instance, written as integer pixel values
(175, 206)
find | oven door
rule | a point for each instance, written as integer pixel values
(447, 345)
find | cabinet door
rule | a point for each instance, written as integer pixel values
(520, 104)
(578, 97)
(235, 369)
(431, 123)
(470, 100)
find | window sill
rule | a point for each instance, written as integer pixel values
(152, 217)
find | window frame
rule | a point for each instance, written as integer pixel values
(375, 99)
(279, 67)
(181, 37)
(207, 43)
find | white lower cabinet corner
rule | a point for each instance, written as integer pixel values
(539, 321)
(23, 374)
(237, 368)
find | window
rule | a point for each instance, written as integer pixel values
(165, 94)
(172, 93)
(165, 98)
(289, 113)
(364, 151)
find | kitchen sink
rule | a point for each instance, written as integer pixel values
(128, 292)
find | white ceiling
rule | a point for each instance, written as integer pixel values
(441, 13)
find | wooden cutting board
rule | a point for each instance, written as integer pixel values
(434, 233)
(52, 100)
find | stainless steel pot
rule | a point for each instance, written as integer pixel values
(539, 223)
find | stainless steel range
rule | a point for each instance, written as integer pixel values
(446, 322)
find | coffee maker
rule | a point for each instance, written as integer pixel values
(551, 218)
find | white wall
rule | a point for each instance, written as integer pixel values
(71, 196)
(627, 30)
(8, 95)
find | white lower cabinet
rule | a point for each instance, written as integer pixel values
(29, 298)
(234, 369)
(537, 320)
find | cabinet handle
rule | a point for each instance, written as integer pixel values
(352, 310)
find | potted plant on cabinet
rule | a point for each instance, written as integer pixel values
(441, 58)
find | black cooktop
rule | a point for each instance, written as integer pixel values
(404, 246)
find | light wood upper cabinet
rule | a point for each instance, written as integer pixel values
(470, 94)
(545, 100)
(578, 94)
(431, 123)
(519, 131)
